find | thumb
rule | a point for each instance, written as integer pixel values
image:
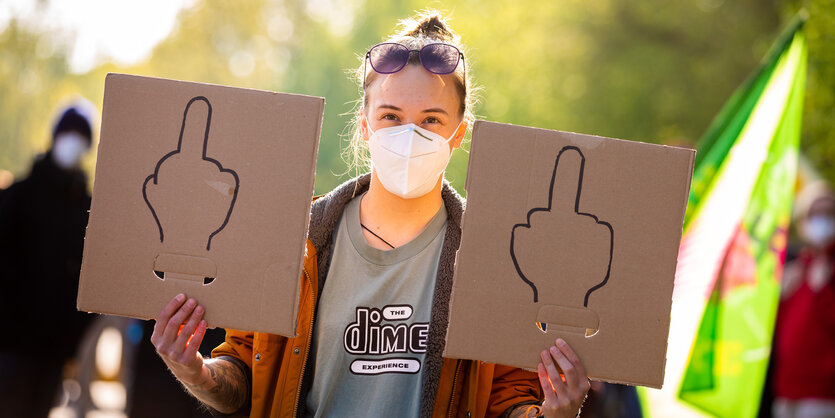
(194, 133)
(567, 180)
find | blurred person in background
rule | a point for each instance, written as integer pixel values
(804, 364)
(42, 224)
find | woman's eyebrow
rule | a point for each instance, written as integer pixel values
(388, 106)
(436, 110)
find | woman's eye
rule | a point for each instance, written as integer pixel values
(431, 119)
(389, 116)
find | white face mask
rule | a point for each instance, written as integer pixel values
(819, 230)
(68, 149)
(408, 159)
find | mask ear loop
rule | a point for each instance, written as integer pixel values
(455, 132)
(368, 126)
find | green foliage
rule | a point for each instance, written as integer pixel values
(654, 71)
(33, 77)
(818, 132)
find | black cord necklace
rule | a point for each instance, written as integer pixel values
(378, 237)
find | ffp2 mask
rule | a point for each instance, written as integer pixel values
(409, 159)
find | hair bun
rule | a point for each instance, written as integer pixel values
(430, 25)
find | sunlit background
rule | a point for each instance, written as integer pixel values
(655, 71)
(652, 70)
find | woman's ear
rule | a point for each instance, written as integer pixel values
(364, 126)
(459, 134)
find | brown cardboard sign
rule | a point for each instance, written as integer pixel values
(205, 190)
(572, 236)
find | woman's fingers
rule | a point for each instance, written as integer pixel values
(178, 347)
(196, 340)
(562, 398)
(567, 367)
(173, 343)
(187, 331)
(172, 329)
(582, 379)
(165, 316)
(553, 375)
(550, 396)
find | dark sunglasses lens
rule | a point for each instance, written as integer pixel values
(440, 58)
(388, 58)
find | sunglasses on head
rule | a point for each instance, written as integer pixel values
(437, 58)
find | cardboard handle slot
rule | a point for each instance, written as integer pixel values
(185, 267)
(568, 319)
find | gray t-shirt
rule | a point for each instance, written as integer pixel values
(369, 340)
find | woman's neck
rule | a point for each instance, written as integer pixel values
(394, 219)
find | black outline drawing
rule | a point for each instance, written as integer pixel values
(205, 158)
(577, 211)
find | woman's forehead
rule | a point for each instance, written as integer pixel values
(414, 86)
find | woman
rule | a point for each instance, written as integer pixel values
(378, 275)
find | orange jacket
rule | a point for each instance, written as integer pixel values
(463, 388)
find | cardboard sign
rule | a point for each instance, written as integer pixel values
(205, 190)
(572, 236)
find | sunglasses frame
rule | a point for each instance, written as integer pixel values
(419, 51)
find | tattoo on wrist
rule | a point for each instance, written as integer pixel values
(530, 409)
(227, 389)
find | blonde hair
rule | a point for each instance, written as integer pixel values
(424, 28)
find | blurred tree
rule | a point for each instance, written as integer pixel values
(818, 135)
(33, 78)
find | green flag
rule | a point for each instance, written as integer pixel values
(736, 231)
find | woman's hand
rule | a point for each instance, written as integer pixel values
(219, 382)
(176, 347)
(562, 398)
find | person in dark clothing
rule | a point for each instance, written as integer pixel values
(42, 225)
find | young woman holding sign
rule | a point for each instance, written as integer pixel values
(378, 275)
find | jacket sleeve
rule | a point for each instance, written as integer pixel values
(511, 387)
(238, 344)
